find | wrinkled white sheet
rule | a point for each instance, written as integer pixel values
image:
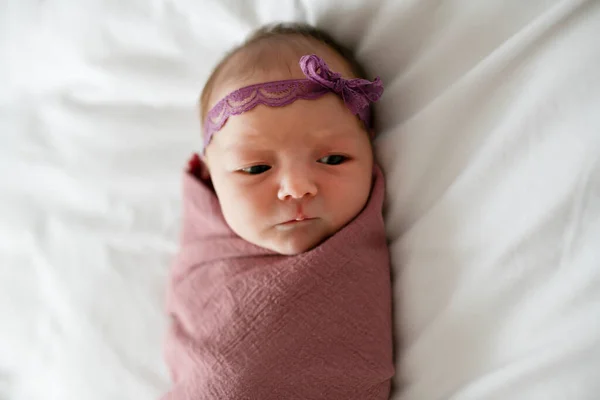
(490, 138)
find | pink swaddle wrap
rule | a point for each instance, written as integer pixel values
(248, 323)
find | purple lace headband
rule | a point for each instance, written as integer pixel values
(357, 94)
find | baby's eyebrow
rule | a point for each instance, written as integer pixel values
(254, 142)
(337, 137)
(244, 147)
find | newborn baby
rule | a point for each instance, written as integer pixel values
(281, 289)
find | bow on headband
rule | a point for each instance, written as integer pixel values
(357, 94)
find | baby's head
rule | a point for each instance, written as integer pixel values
(287, 178)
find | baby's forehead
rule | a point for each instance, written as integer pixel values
(302, 124)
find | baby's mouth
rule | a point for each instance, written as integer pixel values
(297, 220)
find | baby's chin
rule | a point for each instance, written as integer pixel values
(295, 241)
(293, 247)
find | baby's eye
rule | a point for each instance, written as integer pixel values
(256, 169)
(334, 159)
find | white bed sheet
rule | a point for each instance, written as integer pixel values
(490, 139)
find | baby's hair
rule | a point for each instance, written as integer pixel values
(266, 44)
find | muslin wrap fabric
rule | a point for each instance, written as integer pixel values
(248, 323)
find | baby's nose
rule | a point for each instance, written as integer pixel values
(296, 186)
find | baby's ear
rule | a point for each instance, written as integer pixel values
(204, 170)
(198, 167)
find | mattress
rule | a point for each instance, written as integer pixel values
(488, 133)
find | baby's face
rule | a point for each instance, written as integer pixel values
(289, 177)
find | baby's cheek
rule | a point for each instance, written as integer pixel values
(244, 210)
(350, 200)
(227, 196)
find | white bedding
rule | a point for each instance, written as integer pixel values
(490, 139)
